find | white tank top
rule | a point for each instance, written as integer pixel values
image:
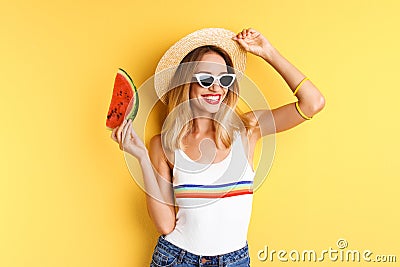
(215, 202)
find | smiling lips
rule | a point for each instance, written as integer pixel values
(212, 98)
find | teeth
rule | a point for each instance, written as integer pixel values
(215, 98)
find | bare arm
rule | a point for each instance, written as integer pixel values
(310, 99)
(156, 175)
(161, 212)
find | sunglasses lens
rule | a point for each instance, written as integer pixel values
(206, 80)
(226, 80)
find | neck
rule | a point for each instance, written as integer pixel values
(203, 126)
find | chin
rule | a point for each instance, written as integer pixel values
(213, 112)
(211, 108)
(205, 108)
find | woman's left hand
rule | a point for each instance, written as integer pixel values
(254, 42)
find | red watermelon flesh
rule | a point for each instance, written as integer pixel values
(124, 101)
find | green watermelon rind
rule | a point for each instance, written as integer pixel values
(134, 111)
(132, 114)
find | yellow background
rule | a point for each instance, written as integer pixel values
(66, 195)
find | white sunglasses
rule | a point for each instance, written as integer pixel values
(206, 80)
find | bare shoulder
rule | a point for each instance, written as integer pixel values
(155, 143)
(158, 153)
(253, 131)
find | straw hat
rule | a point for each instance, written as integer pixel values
(219, 37)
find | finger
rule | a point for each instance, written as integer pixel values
(125, 131)
(251, 31)
(128, 137)
(113, 137)
(242, 34)
(243, 44)
(134, 135)
(119, 132)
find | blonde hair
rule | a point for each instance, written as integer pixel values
(179, 122)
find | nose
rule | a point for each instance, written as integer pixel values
(215, 86)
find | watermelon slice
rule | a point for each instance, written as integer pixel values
(124, 101)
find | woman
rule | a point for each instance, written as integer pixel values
(193, 164)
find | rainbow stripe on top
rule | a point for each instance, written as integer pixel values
(213, 191)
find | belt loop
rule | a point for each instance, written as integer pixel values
(181, 255)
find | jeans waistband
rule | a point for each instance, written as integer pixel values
(204, 259)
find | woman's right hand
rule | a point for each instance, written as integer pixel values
(128, 140)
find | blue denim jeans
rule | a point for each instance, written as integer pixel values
(167, 254)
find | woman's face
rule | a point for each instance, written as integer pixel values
(208, 100)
